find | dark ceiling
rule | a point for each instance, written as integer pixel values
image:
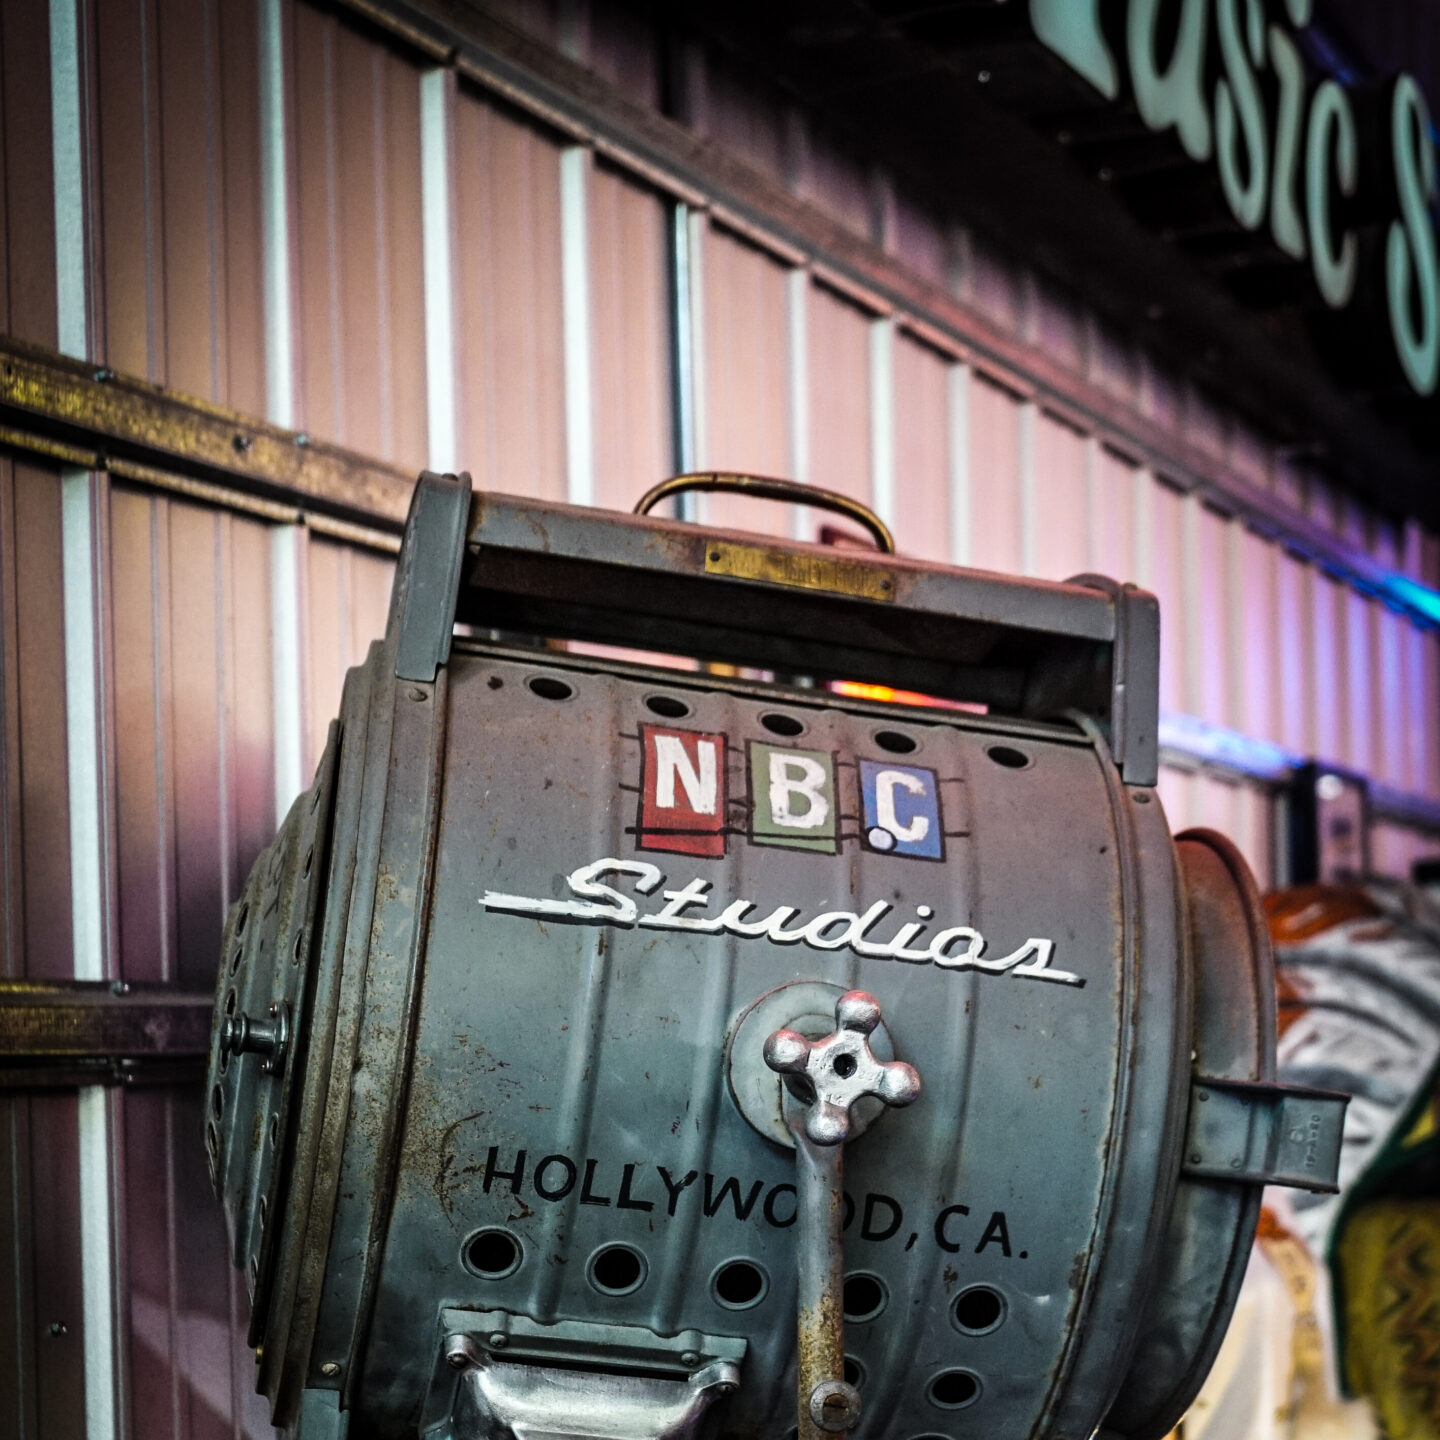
(959, 101)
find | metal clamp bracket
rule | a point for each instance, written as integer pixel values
(1264, 1134)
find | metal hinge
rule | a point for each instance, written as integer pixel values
(1265, 1134)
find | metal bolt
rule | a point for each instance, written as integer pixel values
(456, 1360)
(690, 1358)
(329, 1369)
(59, 1328)
(499, 1340)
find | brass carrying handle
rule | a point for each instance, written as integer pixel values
(766, 488)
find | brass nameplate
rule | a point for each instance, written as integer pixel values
(808, 572)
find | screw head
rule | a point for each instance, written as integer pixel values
(456, 1359)
(59, 1328)
(689, 1357)
(329, 1369)
(499, 1340)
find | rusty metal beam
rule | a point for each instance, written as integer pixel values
(84, 1032)
(80, 414)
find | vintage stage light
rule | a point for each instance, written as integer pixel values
(588, 1019)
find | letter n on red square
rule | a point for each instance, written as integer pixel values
(682, 791)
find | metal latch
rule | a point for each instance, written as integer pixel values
(824, 1078)
(574, 1380)
(1265, 1134)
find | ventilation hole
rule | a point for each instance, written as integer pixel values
(492, 1254)
(954, 1389)
(240, 920)
(264, 1211)
(299, 945)
(617, 1270)
(230, 1003)
(854, 1372)
(547, 687)
(667, 706)
(309, 860)
(495, 682)
(274, 1130)
(979, 1310)
(212, 1138)
(895, 742)
(314, 799)
(778, 724)
(235, 960)
(864, 1297)
(254, 1270)
(1008, 756)
(217, 1101)
(843, 1066)
(929, 1437)
(739, 1285)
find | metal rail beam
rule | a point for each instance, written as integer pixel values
(80, 1032)
(93, 417)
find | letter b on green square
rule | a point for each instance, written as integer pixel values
(792, 798)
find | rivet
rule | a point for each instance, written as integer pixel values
(1234, 1164)
(1195, 1159)
(1204, 1096)
(499, 1340)
(329, 1369)
(983, 77)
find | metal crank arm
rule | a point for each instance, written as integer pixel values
(824, 1078)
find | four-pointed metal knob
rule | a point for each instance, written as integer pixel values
(829, 1075)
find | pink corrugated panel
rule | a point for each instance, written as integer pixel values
(1207, 622)
(745, 408)
(994, 520)
(626, 50)
(1111, 549)
(178, 195)
(360, 332)
(509, 338)
(1294, 677)
(838, 365)
(1058, 544)
(346, 598)
(35, 775)
(922, 450)
(27, 186)
(1254, 635)
(1161, 566)
(744, 116)
(630, 337)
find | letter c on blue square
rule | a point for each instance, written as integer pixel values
(901, 806)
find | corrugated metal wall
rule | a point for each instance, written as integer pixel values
(269, 205)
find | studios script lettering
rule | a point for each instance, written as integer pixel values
(952, 947)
